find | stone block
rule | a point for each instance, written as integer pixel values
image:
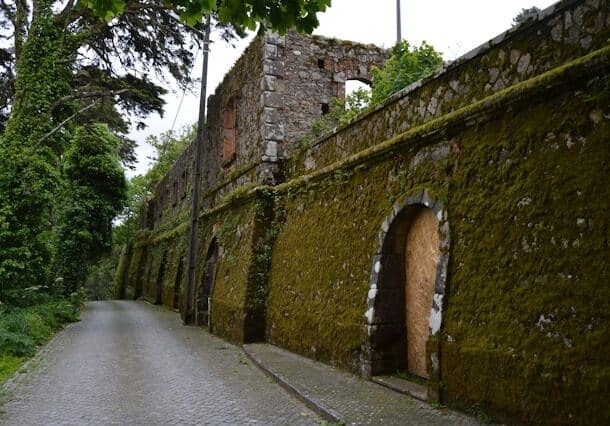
(271, 115)
(271, 67)
(269, 83)
(272, 99)
(271, 150)
(274, 38)
(270, 51)
(339, 77)
(273, 131)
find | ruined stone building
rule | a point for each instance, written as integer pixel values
(459, 231)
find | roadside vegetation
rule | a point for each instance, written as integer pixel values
(24, 328)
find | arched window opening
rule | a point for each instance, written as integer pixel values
(357, 95)
(228, 133)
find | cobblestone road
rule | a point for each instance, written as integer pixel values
(133, 363)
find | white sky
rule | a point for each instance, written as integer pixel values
(452, 27)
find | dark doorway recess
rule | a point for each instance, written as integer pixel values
(207, 284)
(407, 286)
(160, 279)
(140, 275)
(177, 283)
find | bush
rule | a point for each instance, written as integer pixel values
(23, 329)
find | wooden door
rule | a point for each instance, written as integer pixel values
(422, 254)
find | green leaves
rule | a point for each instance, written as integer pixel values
(406, 65)
(277, 15)
(105, 9)
(95, 193)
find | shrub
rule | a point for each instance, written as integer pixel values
(23, 329)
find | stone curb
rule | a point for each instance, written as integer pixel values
(325, 412)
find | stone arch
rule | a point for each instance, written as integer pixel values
(351, 69)
(385, 346)
(204, 293)
(160, 280)
(178, 283)
(140, 272)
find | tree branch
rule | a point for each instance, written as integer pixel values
(63, 123)
(87, 95)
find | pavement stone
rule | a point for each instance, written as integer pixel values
(346, 397)
(133, 363)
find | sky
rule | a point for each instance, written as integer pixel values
(452, 27)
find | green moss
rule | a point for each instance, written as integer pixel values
(525, 322)
(122, 269)
(526, 318)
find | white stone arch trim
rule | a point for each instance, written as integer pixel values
(381, 259)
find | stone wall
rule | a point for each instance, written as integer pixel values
(559, 34)
(316, 70)
(259, 92)
(508, 147)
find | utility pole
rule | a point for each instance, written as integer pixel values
(398, 34)
(189, 297)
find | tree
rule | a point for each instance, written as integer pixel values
(279, 15)
(526, 15)
(406, 65)
(66, 67)
(94, 193)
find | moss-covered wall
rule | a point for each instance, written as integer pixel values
(521, 170)
(525, 188)
(239, 289)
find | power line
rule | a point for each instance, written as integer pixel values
(184, 92)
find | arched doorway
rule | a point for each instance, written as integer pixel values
(142, 260)
(405, 298)
(160, 279)
(422, 253)
(207, 283)
(177, 283)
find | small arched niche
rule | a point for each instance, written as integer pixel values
(206, 286)
(161, 280)
(177, 283)
(405, 299)
(228, 131)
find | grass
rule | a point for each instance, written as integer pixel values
(9, 364)
(479, 411)
(405, 375)
(24, 329)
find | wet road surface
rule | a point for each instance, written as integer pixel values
(133, 363)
